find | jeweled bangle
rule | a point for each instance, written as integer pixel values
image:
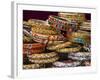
(79, 37)
(58, 46)
(31, 66)
(69, 49)
(43, 61)
(42, 55)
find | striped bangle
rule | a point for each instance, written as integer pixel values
(42, 55)
(44, 61)
(58, 46)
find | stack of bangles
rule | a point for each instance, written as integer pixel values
(31, 66)
(43, 58)
(33, 48)
(65, 47)
(80, 56)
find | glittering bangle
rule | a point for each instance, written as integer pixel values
(42, 55)
(43, 31)
(58, 46)
(43, 61)
(69, 49)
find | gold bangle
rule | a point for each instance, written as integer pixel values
(42, 55)
(58, 46)
(43, 61)
(43, 31)
(69, 50)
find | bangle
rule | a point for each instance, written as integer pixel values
(44, 61)
(58, 46)
(43, 31)
(42, 55)
(67, 63)
(69, 49)
(32, 51)
(80, 56)
(54, 42)
(79, 37)
(41, 38)
(33, 46)
(31, 66)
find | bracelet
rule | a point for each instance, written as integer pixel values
(32, 51)
(42, 55)
(33, 46)
(41, 38)
(31, 66)
(44, 61)
(79, 37)
(58, 46)
(69, 49)
(43, 31)
(54, 42)
(36, 22)
(80, 56)
(67, 64)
